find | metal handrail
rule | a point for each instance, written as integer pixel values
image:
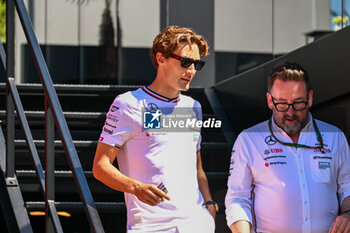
(2, 56)
(27, 133)
(57, 114)
(32, 149)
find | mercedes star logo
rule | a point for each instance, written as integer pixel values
(152, 107)
(269, 140)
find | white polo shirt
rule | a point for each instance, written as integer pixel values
(154, 156)
(286, 189)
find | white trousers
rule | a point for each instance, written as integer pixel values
(202, 225)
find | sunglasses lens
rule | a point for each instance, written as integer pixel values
(186, 62)
(198, 65)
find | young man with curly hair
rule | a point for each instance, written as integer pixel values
(161, 174)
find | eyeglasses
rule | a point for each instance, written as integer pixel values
(186, 62)
(283, 107)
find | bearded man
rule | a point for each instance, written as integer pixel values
(291, 173)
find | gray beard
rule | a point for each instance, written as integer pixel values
(292, 129)
(295, 128)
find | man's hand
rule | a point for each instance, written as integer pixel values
(341, 224)
(212, 210)
(150, 194)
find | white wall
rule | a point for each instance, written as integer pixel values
(68, 22)
(62, 22)
(246, 25)
(292, 20)
(91, 19)
(243, 26)
(140, 22)
(240, 25)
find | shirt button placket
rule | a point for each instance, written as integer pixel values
(304, 191)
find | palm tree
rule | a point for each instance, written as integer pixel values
(108, 67)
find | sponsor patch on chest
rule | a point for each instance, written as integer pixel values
(324, 165)
(273, 157)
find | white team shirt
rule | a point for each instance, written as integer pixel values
(153, 157)
(285, 189)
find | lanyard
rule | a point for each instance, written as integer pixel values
(319, 138)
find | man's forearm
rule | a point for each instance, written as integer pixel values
(113, 178)
(202, 180)
(104, 171)
(204, 186)
(240, 227)
(345, 205)
(342, 222)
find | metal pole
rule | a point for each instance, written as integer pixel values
(164, 14)
(49, 165)
(273, 30)
(342, 12)
(10, 72)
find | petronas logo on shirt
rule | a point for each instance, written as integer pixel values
(195, 137)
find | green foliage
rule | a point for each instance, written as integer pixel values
(3, 21)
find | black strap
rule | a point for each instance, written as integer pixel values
(346, 212)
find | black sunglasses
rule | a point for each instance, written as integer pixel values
(186, 62)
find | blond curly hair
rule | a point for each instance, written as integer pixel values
(168, 40)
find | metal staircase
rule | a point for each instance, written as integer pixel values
(84, 108)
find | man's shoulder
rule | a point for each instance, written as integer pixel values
(189, 100)
(261, 127)
(129, 97)
(260, 130)
(326, 127)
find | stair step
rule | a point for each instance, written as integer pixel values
(65, 188)
(87, 125)
(215, 155)
(28, 178)
(89, 175)
(88, 143)
(71, 89)
(77, 115)
(103, 207)
(85, 97)
(58, 143)
(79, 119)
(115, 207)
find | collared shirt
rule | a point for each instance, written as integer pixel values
(286, 189)
(155, 155)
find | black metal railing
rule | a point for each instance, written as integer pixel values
(53, 117)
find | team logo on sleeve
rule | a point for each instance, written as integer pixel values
(152, 119)
(114, 108)
(196, 137)
(111, 118)
(232, 162)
